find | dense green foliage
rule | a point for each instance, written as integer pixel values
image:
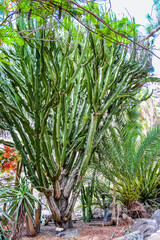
(91, 15)
(132, 160)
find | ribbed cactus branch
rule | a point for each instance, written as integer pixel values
(57, 100)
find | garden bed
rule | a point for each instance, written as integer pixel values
(86, 232)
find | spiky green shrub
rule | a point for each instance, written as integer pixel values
(4, 230)
(57, 98)
(132, 160)
(20, 202)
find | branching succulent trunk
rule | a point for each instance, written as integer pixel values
(62, 200)
(60, 218)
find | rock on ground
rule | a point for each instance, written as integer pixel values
(155, 236)
(132, 236)
(145, 226)
(71, 233)
(156, 216)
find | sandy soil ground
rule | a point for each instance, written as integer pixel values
(86, 232)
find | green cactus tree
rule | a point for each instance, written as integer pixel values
(57, 98)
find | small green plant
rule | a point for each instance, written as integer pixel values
(4, 230)
(4, 219)
(20, 202)
(87, 192)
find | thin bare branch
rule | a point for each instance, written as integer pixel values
(34, 30)
(44, 3)
(129, 14)
(10, 15)
(44, 39)
(117, 33)
(151, 33)
(153, 6)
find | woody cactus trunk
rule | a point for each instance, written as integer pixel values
(57, 98)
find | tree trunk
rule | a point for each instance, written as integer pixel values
(4, 210)
(30, 228)
(65, 225)
(114, 205)
(114, 201)
(63, 197)
(61, 221)
(48, 220)
(38, 218)
(17, 232)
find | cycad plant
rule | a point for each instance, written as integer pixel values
(57, 98)
(132, 159)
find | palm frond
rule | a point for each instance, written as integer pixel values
(129, 157)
